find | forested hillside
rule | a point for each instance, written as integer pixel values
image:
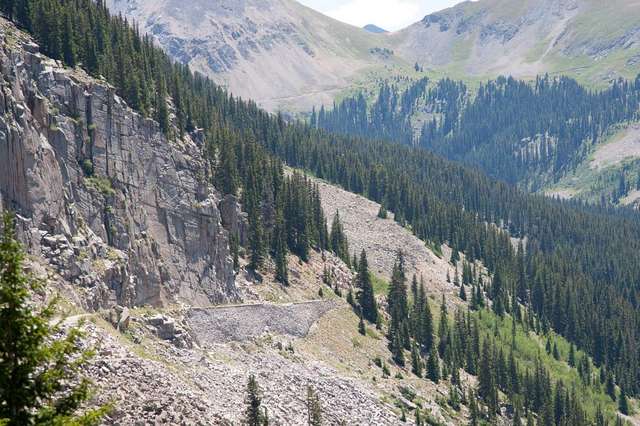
(527, 134)
(575, 270)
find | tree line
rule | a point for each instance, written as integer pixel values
(525, 133)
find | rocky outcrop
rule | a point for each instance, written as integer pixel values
(113, 205)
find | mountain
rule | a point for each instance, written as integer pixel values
(592, 40)
(374, 29)
(161, 211)
(277, 52)
(578, 143)
(288, 57)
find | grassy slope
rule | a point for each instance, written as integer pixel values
(530, 347)
(588, 182)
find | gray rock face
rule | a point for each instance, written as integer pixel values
(100, 192)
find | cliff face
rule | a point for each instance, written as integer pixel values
(102, 195)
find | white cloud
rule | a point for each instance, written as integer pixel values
(389, 14)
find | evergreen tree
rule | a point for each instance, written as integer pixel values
(623, 402)
(416, 361)
(338, 241)
(234, 247)
(497, 294)
(227, 174)
(443, 329)
(40, 374)
(256, 239)
(397, 351)
(473, 411)
(487, 386)
(433, 366)
(462, 294)
(314, 408)
(382, 213)
(280, 248)
(253, 400)
(425, 321)
(366, 297)
(572, 355)
(611, 387)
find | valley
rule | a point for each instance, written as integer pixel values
(390, 248)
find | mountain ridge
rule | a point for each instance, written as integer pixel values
(313, 59)
(309, 57)
(589, 40)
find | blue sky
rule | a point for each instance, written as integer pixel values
(389, 14)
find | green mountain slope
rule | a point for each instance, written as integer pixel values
(591, 40)
(552, 135)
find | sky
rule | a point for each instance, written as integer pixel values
(389, 14)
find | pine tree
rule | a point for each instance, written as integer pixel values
(416, 361)
(433, 366)
(473, 411)
(314, 408)
(227, 171)
(487, 386)
(256, 239)
(280, 248)
(425, 323)
(234, 247)
(397, 350)
(610, 386)
(366, 297)
(443, 329)
(556, 353)
(362, 329)
(463, 293)
(572, 355)
(623, 402)
(40, 374)
(497, 294)
(382, 213)
(338, 241)
(253, 400)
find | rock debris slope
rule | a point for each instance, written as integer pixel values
(102, 195)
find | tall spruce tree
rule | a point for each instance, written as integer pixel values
(366, 297)
(41, 380)
(314, 408)
(253, 401)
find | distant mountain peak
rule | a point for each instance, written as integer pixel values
(374, 29)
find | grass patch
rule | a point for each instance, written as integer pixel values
(102, 184)
(380, 286)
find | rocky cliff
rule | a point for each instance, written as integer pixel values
(109, 202)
